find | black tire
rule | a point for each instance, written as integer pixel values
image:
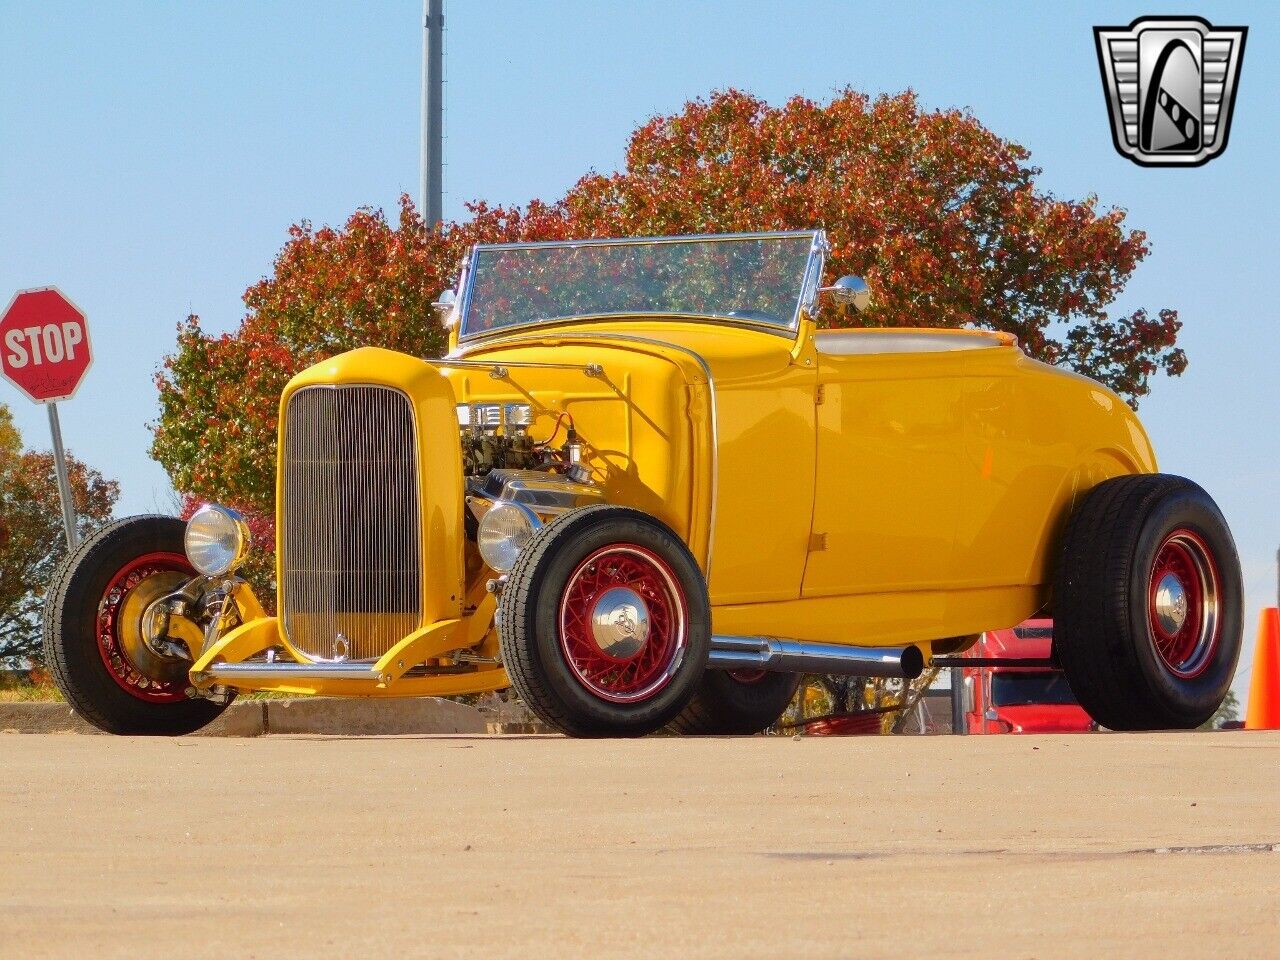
(1107, 615)
(537, 654)
(724, 705)
(71, 625)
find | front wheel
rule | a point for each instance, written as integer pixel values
(93, 638)
(604, 623)
(1147, 604)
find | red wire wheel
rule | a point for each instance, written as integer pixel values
(1182, 604)
(623, 623)
(1148, 603)
(137, 669)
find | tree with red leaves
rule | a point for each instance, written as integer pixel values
(939, 214)
(32, 541)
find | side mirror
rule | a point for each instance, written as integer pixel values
(444, 307)
(966, 694)
(850, 291)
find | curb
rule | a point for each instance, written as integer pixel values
(530, 729)
(317, 716)
(370, 717)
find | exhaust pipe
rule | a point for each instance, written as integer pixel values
(802, 656)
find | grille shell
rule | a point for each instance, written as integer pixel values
(350, 538)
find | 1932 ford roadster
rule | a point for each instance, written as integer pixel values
(644, 490)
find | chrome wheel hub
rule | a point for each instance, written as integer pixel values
(1170, 603)
(1182, 604)
(620, 623)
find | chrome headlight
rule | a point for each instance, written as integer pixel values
(504, 531)
(216, 541)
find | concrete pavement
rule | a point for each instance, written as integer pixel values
(999, 847)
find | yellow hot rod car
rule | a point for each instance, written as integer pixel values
(644, 490)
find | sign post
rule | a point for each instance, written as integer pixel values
(45, 353)
(64, 482)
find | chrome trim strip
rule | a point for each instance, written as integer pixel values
(641, 241)
(466, 289)
(787, 331)
(809, 290)
(803, 656)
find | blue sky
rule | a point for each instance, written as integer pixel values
(154, 154)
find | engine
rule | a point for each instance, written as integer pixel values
(495, 436)
(513, 483)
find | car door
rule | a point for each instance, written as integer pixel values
(889, 482)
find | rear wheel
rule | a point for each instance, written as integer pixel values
(1147, 605)
(604, 623)
(93, 639)
(737, 702)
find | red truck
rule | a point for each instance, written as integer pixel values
(1019, 699)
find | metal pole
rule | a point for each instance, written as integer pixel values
(432, 111)
(981, 680)
(64, 484)
(959, 716)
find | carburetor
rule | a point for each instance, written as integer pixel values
(495, 436)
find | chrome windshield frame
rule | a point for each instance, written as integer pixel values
(806, 300)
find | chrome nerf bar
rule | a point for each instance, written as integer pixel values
(285, 670)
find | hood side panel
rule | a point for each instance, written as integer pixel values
(644, 422)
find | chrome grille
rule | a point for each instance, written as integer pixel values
(351, 558)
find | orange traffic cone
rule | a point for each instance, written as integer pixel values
(1264, 688)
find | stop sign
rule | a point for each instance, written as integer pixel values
(44, 344)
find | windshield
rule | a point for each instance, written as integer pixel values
(1027, 689)
(758, 279)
